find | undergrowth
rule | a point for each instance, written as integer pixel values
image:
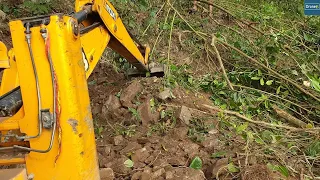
(270, 53)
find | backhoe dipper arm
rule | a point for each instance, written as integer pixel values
(104, 28)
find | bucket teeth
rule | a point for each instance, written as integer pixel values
(154, 70)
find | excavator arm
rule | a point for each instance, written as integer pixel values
(103, 27)
(45, 115)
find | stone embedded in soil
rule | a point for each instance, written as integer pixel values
(2, 16)
(164, 95)
(158, 173)
(145, 176)
(136, 176)
(118, 140)
(140, 155)
(129, 93)
(106, 174)
(139, 165)
(210, 142)
(143, 140)
(118, 166)
(105, 150)
(144, 111)
(177, 161)
(185, 174)
(146, 115)
(184, 115)
(112, 103)
(130, 148)
(190, 148)
(181, 133)
(218, 165)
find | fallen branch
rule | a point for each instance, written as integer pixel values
(261, 123)
(259, 64)
(291, 119)
(213, 44)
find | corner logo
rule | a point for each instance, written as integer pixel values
(312, 7)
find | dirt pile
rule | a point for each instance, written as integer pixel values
(159, 130)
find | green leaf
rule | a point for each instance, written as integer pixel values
(315, 83)
(256, 78)
(314, 149)
(152, 103)
(242, 127)
(279, 90)
(232, 168)
(262, 82)
(259, 140)
(283, 170)
(269, 83)
(128, 163)
(196, 163)
(219, 154)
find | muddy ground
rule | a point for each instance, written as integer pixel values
(138, 119)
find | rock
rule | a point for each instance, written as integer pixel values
(164, 95)
(190, 148)
(213, 131)
(118, 140)
(106, 174)
(169, 175)
(2, 16)
(129, 93)
(184, 115)
(147, 117)
(112, 103)
(177, 161)
(143, 140)
(145, 176)
(136, 176)
(210, 142)
(185, 174)
(118, 166)
(158, 173)
(193, 174)
(139, 165)
(140, 155)
(144, 111)
(181, 133)
(105, 150)
(130, 148)
(159, 163)
(218, 165)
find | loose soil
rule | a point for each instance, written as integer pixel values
(161, 147)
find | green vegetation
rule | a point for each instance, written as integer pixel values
(270, 53)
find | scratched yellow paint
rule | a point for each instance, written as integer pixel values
(74, 152)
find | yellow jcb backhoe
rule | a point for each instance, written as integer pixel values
(46, 120)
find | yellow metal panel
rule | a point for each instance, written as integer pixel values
(10, 79)
(117, 29)
(12, 161)
(94, 44)
(4, 60)
(74, 151)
